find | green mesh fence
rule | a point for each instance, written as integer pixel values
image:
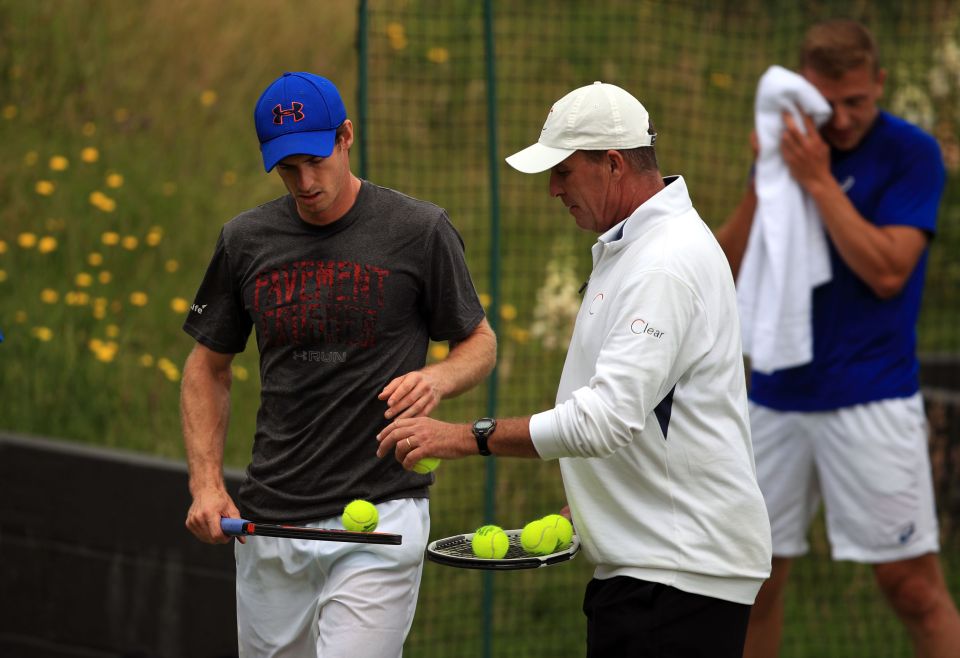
(695, 65)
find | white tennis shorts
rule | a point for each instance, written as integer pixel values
(870, 466)
(301, 597)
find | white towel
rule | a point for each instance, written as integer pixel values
(787, 254)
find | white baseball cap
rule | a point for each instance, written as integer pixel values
(597, 117)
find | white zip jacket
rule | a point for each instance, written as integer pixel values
(651, 420)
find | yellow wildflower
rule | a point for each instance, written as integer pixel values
(397, 36)
(520, 335)
(169, 370)
(110, 238)
(146, 360)
(27, 240)
(508, 312)
(107, 351)
(101, 201)
(47, 244)
(49, 296)
(179, 305)
(439, 351)
(76, 298)
(83, 280)
(42, 333)
(44, 187)
(114, 180)
(59, 163)
(208, 98)
(438, 55)
(129, 242)
(721, 80)
(171, 266)
(112, 331)
(138, 298)
(240, 373)
(89, 154)
(94, 259)
(104, 277)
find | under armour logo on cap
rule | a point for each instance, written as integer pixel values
(295, 111)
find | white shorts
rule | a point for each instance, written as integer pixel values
(868, 463)
(300, 597)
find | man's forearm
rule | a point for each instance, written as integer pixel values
(512, 439)
(205, 416)
(468, 362)
(883, 257)
(734, 234)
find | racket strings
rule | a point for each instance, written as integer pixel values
(461, 547)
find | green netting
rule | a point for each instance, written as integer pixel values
(695, 65)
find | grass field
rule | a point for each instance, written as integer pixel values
(128, 142)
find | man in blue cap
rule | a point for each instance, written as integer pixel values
(344, 283)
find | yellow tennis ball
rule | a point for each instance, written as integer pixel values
(490, 541)
(360, 516)
(426, 465)
(564, 529)
(538, 538)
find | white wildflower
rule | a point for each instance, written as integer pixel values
(558, 299)
(914, 105)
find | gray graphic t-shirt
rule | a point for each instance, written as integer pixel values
(338, 311)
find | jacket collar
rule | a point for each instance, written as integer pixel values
(672, 200)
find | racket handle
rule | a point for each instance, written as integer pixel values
(233, 526)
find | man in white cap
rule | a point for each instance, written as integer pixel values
(650, 424)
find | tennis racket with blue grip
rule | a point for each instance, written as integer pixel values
(242, 527)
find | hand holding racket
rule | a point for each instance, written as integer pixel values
(242, 527)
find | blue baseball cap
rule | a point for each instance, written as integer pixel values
(298, 114)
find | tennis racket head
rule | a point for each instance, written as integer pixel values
(457, 551)
(238, 527)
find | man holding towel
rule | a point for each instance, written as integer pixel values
(848, 427)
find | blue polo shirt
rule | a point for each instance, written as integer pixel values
(864, 347)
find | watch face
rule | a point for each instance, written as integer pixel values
(484, 424)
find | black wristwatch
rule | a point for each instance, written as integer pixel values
(482, 429)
